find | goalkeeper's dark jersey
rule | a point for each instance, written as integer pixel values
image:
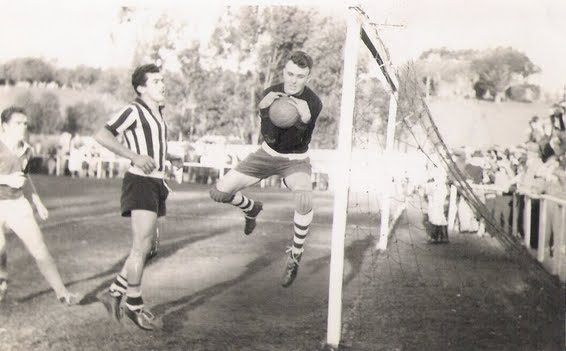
(294, 139)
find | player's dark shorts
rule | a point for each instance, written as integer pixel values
(262, 165)
(143, 193)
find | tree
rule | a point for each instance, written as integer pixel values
(116, 82)
(260, 39)
(29, 70)
(215, 89)
(436, 67)
(85, 117)
(157, 33)
(79, 77)
(498, 68)
(44, 113)
(325, 44)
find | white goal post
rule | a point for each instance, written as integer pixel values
(358, 27)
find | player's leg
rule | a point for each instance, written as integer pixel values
(3, 264)
(160, 225)
(300, 184)
(159, 228)
(138, 193)
(143, 231)
(25, 226)
(227, 190)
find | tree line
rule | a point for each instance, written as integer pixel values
(214, 88)
(491, 74)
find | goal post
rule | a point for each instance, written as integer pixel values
(359, 30)
(342, 176)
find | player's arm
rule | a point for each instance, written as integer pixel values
(309, 127)
(303, 109)
(176, 160)
(14, 180)
(30, 193)
(269, 98)
(28, 188)
(105, 138)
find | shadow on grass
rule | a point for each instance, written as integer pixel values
(166, 250)
(353, 253)
(173, 312)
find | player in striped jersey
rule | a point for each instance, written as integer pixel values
(143, 188)
(284, 153)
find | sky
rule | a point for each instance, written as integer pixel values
(69, 33)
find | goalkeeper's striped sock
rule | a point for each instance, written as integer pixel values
(243, 202)
(134, 300)
(302, 223)
(119, 286)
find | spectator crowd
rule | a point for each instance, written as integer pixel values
(535, 168)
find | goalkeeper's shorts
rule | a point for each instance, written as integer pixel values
(260, 164)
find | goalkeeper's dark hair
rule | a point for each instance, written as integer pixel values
(301, 59)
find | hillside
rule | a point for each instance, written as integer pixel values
(67, 97)
(481, 123)
(460, 121)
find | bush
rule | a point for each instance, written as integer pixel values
(44, 113)
(523, 93)
(85, 117)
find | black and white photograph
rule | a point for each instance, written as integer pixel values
(283, 175)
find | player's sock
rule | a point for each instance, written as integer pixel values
(134, 300)
(243, 202)
(302, 223)
(119, 286)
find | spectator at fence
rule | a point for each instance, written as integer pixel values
(535, 132)
(436, 192)
(557, 117)
(530, 182)
(75, 156)
(474, 174)
(52, 154)
(504, 175)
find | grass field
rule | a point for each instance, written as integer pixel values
(481, 124)
(215, 289)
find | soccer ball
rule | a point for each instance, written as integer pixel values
(282, 114)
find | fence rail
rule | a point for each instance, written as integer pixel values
(550, 250)
(552, 225)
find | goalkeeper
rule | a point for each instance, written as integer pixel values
(284, 152)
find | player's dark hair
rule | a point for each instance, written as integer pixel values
(10, 111)
(139, 77)
(301, 59)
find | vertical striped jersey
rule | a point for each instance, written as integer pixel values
(144, 133)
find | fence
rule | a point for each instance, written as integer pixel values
(367, 171)
(550, 248)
